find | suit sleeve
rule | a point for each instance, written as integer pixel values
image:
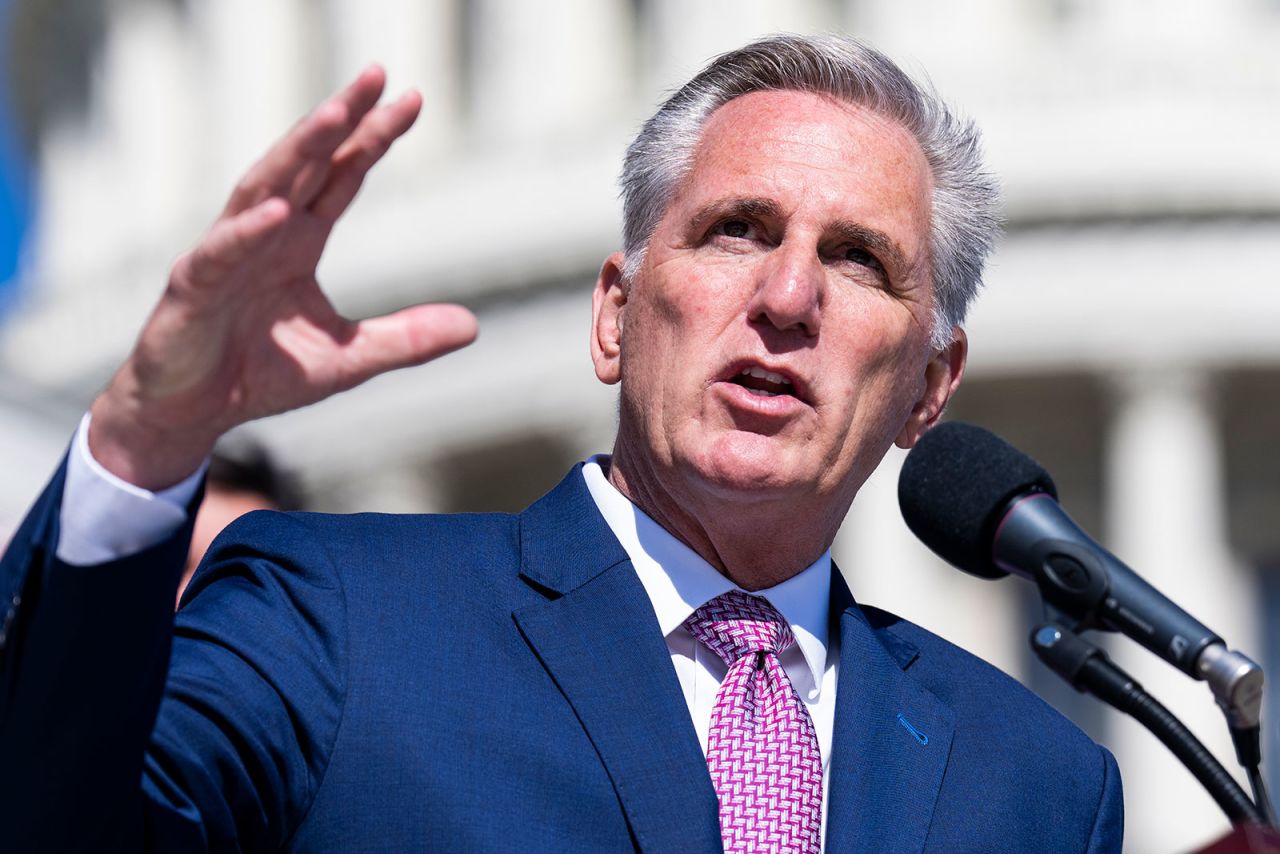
(81, 671)
(123, 729)
(1107, 835)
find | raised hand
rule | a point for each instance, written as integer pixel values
(243, 329)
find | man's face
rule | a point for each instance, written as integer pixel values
(775, 340)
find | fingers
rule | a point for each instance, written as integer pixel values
(408, 337)
(232, 240)
(358, 154)
(297, 166)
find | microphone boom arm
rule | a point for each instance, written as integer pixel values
(1088, 669)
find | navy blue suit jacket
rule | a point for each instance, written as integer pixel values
(471, 683)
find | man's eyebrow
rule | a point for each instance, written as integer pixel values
(877, 242)
(755, 208)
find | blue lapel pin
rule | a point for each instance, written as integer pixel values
(915, 733)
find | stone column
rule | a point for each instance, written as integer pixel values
(145, 80)
(260, 77)
(1166, 508)
(417, 41)
(546, 68)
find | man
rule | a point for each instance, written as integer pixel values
(804, 228)
(242, 477)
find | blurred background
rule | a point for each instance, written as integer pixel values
(1127, 337)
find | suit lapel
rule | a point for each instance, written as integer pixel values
(891, 742)
(598, 638)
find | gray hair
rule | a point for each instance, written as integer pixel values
(966, 218)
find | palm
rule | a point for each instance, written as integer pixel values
(244, 330)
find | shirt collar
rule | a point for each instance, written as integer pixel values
(678, 581)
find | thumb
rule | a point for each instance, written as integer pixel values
(409, 337)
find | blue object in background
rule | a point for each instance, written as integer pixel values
(15, 204)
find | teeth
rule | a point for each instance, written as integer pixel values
(759, 392)
(762, 374)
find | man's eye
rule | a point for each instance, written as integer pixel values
(863, 257)
(735, 228)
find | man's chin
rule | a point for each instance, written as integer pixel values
(745, 465)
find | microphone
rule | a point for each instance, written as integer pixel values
(991, 510)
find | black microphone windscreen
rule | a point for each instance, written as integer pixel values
(955, 486)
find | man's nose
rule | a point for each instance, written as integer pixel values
(790, 290)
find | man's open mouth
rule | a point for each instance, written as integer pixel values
(764, 383)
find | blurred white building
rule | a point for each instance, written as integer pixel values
(1128, 336)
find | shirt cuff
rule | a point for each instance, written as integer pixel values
(104, 518)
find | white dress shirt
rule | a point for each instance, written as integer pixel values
(679, 582)
(104, 518)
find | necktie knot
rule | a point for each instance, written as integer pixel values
(735, 624)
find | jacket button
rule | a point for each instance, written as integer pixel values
(8, 620)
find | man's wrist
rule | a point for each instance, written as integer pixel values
(139, 454)
(104, 518)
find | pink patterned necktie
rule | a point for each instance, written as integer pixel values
(762, 749)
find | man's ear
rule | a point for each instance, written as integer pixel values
(607, 304)
(941, 378)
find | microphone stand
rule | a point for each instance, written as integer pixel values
(1089, 670)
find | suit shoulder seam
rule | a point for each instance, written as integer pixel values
(318, 783)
